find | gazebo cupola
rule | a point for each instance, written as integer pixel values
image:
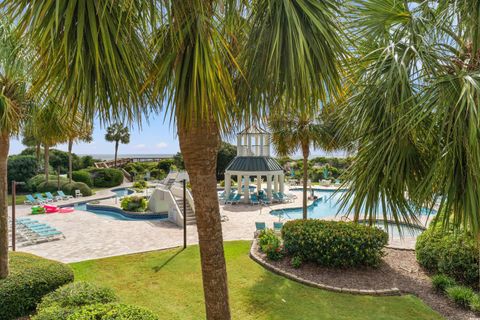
(253, 160)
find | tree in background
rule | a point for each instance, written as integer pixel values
(226, 153)
(21, 168)
(119, 134)
(211, 63)
(293, 130)
(81, 130)
(13, 109)
(31, 141)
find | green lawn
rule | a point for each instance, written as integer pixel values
(169, 283)
(19, 199)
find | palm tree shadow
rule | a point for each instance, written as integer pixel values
(159, 267)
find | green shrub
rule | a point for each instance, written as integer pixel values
(270, 244)
(475, 303)
(34, 182)
(296, 262)
(452, 254)
(106, 177)
(134, 204)
(460, 295)
(69, 188)
(333, 243)
(30, 278)
(21, 168)
(64, 301)
(441, 282)
(82, 176)
(112, 311)
(50, 186)
(140, 184)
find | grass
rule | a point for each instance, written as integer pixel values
(20, 198)
(169, 283)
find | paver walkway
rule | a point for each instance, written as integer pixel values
(91, 236)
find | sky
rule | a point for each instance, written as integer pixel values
(155, 137)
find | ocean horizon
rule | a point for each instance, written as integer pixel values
(111, 156)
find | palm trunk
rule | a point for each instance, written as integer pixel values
(70, 168)
(116, 151)
(305, 152)
(4, 146)
(38, 149)
(46, 160)
(199, 146)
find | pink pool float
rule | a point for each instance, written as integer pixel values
(66, 210)
(50, 208)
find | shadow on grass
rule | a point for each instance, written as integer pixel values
(175, 254)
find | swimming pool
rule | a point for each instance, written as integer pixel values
(327, 205)
(121, 192)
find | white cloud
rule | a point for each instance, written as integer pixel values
(140, 146)
(161, 145)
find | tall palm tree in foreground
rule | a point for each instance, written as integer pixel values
(293, 131)
(13, 106)
(207, 54)
(117, 133)
(413, 107)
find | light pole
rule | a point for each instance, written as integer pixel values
(184, 213)
(14, 199)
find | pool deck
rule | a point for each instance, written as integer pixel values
(90, 236)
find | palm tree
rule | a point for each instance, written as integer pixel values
(119, 134)
(301, 130)
(13, 106)
(413, 105)
(49, 124)
(80, 130)
(207, 55)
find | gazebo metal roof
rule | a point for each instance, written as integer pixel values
(254, 164)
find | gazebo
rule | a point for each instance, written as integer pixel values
(253, 160)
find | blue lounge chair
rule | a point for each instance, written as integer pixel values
(31, 200)
(41, 198)
(231, 196)
(51, 197)
(254, 199)
(259, 226)
(277, 226)
(63, 195)
(237, 198)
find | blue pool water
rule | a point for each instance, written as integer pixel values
(121, 192)
(327, 205)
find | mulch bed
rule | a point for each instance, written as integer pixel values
(399, 269)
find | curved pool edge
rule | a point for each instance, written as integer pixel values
(128, 214)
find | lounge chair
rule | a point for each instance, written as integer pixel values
(78, 194)
(231, 196)
(52, 197)
(237, 198)
(277, 226)
(42, 199)
(63, 195)
(32, 201)
(254, 199)
(259, 226)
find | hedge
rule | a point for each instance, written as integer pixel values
(82, 176)
(21, 168)
(106, 177)
(69, 188)
(134, 204)
(30, 278)
(334, 243)
(449, 253)
(34, 182)
(66, 300)
(112, 311)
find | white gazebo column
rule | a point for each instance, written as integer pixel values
(246, 193)
(275, 183)
(239, 183)
(228, 183)
(269, 187)
(282, 183)
(259, 183)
